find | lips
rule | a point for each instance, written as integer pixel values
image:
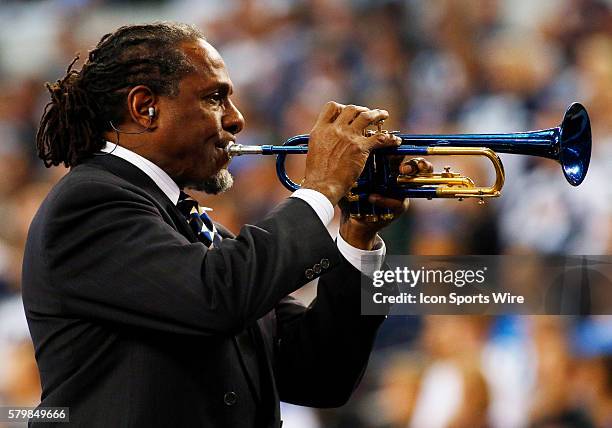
(222, 144)
(224, 158)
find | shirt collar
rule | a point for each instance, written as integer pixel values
(158, 175)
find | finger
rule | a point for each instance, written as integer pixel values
(415, 166)
(409, 166)
(425, 166)
(378, 141)
(349, 113)
(329, 113)
(398, 206)
(369, 117)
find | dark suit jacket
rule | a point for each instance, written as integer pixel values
(136, 324)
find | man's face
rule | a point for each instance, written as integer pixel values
(197, 124)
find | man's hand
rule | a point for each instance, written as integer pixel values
(338, 150)
(361, 234)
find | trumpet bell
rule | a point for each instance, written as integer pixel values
(575, 144)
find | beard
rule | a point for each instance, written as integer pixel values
(216, 184)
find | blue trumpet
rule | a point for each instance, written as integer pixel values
(569, 144)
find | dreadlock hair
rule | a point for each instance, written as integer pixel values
(84, 102)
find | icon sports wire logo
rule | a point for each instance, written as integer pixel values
(414, 277)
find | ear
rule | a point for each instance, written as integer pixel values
(140, 101)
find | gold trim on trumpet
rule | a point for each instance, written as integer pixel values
(454, 185)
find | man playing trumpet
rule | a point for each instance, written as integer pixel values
(145, 313)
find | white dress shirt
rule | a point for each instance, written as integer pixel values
(319, 203)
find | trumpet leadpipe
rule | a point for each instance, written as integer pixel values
(234, 149)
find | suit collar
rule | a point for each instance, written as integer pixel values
(130, 173)
(155, 173)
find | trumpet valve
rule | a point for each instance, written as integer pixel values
(379, 130)
(371, 218)
(352, 197)
(447, 172)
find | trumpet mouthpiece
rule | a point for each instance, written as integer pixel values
(234, 149)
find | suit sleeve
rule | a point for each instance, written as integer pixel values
(111, 256)
(322, 351)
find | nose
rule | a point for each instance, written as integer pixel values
(233, 121)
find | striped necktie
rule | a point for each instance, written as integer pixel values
(199, 221)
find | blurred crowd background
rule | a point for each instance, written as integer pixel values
(438, 66)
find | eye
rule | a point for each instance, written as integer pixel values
(216, 98)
